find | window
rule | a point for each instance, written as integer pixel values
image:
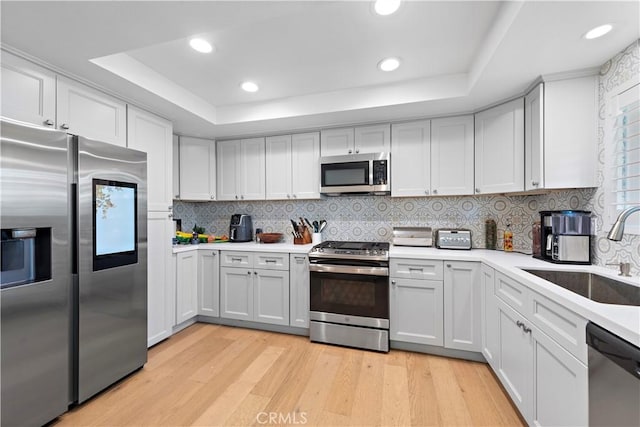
(624, 156)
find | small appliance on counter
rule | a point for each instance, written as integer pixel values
(412, 236)
(241, 228)
(565, 237)
(453, 238)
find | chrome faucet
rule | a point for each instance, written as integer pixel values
(617, 230)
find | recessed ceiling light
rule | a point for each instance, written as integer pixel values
(201, 45)
(249, 87)
(386, 7)
(598, 31)
(389, 64)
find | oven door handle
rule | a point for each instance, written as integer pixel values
(349, 269)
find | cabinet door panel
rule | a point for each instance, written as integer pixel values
(299, 280)
(208, 283)
(186, 286)
(490, 317)
(515, 359)
(28, 91)
(227, 169)
(499, 148)
(416, 269)
(271, 296)
(452, 156)
(176, 167)
(336, 142)
(416, 311)
(462, 305)
(372, 139)
(560, 385)
(411, 159)
(305, 165)
(153, 135)
(252, 182)
(534, 138)
(87, 112)
(197, 170)
(161, 285)
(236, 293)
(278, 167)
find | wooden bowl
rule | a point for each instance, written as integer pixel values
(270, 237)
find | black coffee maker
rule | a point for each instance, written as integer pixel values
(241, 228)
(565, 237)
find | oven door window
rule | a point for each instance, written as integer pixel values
(345, 174)
(350, 294)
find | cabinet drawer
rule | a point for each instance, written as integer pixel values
(561, 324)
(236, 259)
(513, 293)
(416, 269)
(271, 260)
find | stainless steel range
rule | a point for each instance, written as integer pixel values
(349, 294)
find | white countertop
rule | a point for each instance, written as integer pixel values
(246, 246)
(622, 320)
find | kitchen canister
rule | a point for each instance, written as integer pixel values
(490, 234)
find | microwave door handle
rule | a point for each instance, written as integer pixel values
(370, 172)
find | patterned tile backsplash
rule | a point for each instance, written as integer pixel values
(372, 218)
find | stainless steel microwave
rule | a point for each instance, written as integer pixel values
(357, 173)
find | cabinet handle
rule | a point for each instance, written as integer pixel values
(350, 151)
(48, 122)
(248, 272)
(426, 192)
(534, 183)
(357, 150)
(177, 196)
(242, 196)
(236, 259)
(415, 269)
(170, 215)
(213, 197)
(448, 265)
(64, 126)
(435, 191)
(393, 283)
(295, 196)
(255, 272)
(270, 261)
(299, 258)
(213, 254)
(288, 196)
(477, 190)
(525, 329)
(519, 324)
(236, 197)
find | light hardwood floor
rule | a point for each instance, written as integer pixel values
(211, 375)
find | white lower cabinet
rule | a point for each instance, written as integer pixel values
(489, 317)
(261, 294)
(160, 278)
(416, 314)
(548, 385)
(299, 290)
(209, 283)
(462, 305)
(186, 286)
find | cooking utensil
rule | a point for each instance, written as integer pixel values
(295, 228)
(308, 223)
(323, 224)
(316, 226)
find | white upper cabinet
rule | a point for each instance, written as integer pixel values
(153, 135)
(197, 169)
(499, 148)
(28, 91)
(90, 113)
(241, 169)
(372, 139)
(561, 134)
(336, 142)
(176, 167)
(411, 159)
(359, 140)
(451, 156)
(292, 166)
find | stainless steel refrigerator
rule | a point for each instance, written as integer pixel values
(73, 277)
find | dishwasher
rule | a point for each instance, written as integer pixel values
(614, 379)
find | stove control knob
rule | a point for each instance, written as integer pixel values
(320, 250)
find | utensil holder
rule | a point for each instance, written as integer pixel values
(298, 241)
(306, 236)
(316, 238)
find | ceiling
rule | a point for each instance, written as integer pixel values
(315, 61)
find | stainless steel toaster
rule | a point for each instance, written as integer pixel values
(453, 238)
